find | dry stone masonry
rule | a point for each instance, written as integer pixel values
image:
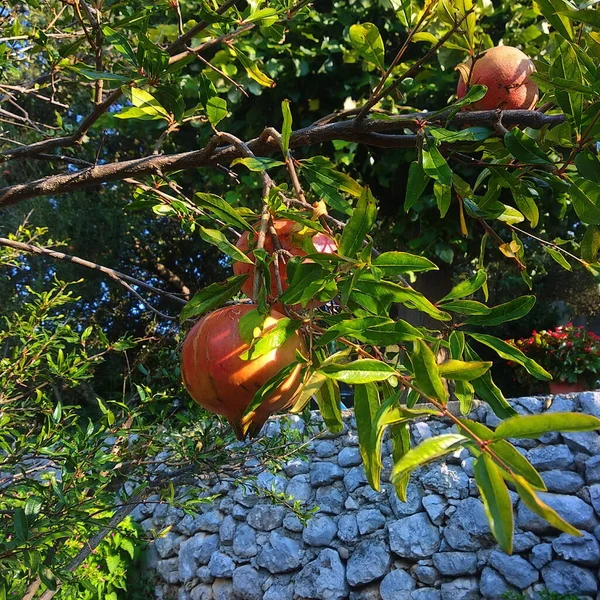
(367, 545)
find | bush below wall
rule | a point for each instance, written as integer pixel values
(367, 545)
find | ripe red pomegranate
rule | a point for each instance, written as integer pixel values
(505, 71)
(219, 380)
(289, 239)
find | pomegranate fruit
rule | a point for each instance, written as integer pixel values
(217, 378)
(289, 239)
(505, 71)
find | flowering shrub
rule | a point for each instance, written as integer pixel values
(570, 353)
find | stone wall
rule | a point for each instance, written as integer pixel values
(368, 545)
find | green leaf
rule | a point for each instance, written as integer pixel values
(496, 501)
(588, 165)
(415, 185)
(588, 16)
(585, 196)
(120, 44)
(257, 163)
(524, 149)
(367, 41)
(428, 450)
(20, 524)
(551, 10)
(533, 426)
(328, 400)
(286, 130)
(488, 391)
(379, 331)
(222, 210)
(266, 390)
(559, 257)
(212, 296)
(467, 307)
(387, 292)
(216, 110)
(33, 505)
(265, 16)
(303, 276)
(366, 406)
(398, 263)
(113, 562)
(146, 107)
(390, 413)
(463, 370)
(470, 134)
(427, 375)
(532, 501)
(590, 244)
(252, 69)
(360, 223)
(443, 196)
(509, 311)
(509, 352)
(466, 288)
(363, 370)
(465, 394)
(435, 165)
(218, 239)
(508, 453)
(271, 339)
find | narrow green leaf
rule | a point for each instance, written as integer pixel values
(304, 276)
(367, 41)
(496, 501)
(588, 16)
(218, 239)
(558, 257)
(120, 44)
(508, 453)
(366, 406)
(212, 296)
(466, 288)
(525, 149)
(463, 370)
(435, 165)
(428, 450)
(532, 501)
(509, 352)
(328, 400)
(20, 524)
(271, 339)
(397, 263)
(509, 311)
(465, 394)
(257, 163)
(467, 307)
(551, 10)
(263, 393)
(286, 130)
(488, 391)
(533, 426)
(252, 68)
(222, 210)
(361, 222)
(590, 244)
(415, 185)
(443, 196)
(379, 331)
(363, 370)
(457, 344)
(427, 373)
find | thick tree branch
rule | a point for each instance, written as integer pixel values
(373, 132)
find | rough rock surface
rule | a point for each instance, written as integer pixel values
(367, 545)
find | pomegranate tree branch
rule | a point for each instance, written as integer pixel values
(373, 132)
(116, 275)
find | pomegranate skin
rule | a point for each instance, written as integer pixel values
(219, 380)
(286, 233)
(505, 71)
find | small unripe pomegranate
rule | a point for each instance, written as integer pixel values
(289, 239)
(505, 71)
(217, 378)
